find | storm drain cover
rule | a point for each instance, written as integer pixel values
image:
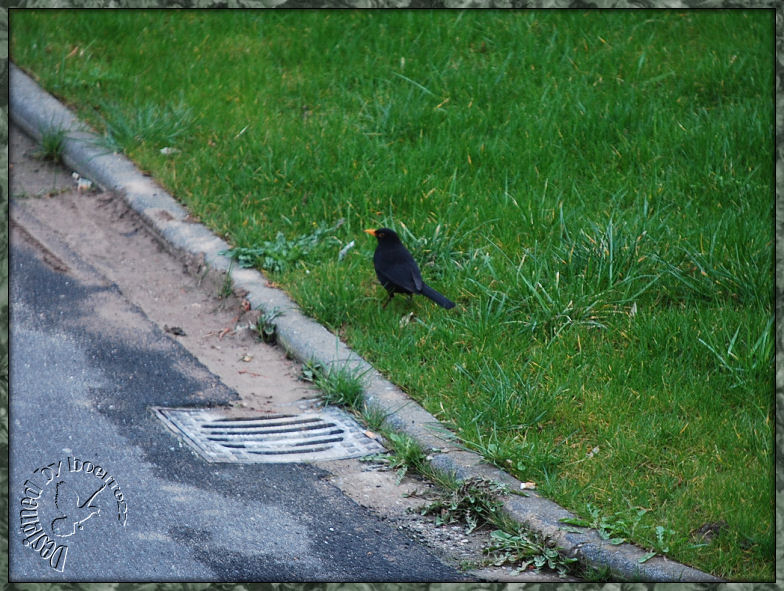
(329, 434)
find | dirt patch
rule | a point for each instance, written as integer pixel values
(186, 303)
(217, 330)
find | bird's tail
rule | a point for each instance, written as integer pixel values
(439, 299)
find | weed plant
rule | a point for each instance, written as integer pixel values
(266, 326)
(406, 455)
(525, 550)
(594, 190)
(474, 502)
(340, 386)
(52, 144)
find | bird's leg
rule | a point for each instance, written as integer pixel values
(384, 305)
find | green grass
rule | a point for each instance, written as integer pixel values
(594, 190)
(129, 126)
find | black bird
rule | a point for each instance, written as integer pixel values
(398, 272)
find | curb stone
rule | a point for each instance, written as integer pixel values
(34, 110)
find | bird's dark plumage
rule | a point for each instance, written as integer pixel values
(397, 270)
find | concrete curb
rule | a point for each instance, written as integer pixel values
(35, 110)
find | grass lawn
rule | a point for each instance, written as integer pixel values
(593, 189)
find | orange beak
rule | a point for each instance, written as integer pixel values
(373, 232)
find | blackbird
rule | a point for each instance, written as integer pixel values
(398, 272)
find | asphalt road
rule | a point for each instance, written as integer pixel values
(86, 366)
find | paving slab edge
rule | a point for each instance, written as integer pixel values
(35, 110)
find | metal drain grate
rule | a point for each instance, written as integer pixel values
(330, 434)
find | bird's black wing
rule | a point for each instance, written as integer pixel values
(398, 268)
